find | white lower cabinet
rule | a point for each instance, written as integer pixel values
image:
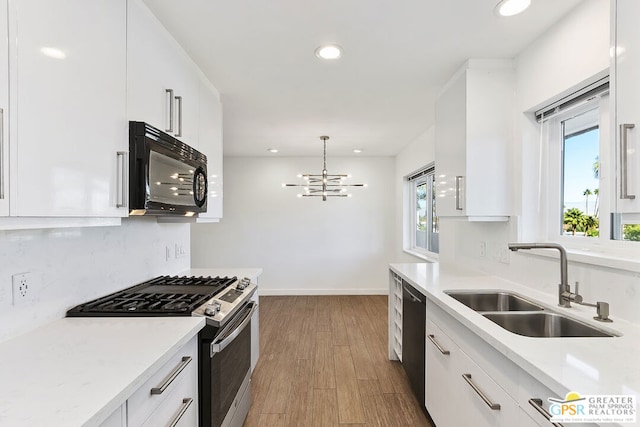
(459, 392)
(395, 316)
(117, 419)
(486, 403)
(441, 353)
(170, 396)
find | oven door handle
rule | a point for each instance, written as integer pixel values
(217, 347)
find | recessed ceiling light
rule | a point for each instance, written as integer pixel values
(53, 52)
(272, 150)
(330, 51)
(511, 7)
(357, 150)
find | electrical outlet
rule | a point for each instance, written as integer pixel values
(167, 253)
(483, 249)
(504, 256)
(21, 288)
(180, 251)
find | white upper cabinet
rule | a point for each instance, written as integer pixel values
(4, 111)
(210, 141)
(474, 126)
(68, 112)
(162, 81)
(626, 97)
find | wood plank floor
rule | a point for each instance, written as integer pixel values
(323, 362)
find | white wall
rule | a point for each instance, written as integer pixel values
(303, 245)
(417, 154)
(75, 265)
(572, 51)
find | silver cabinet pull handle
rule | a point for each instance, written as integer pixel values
(179, 102)
(172, 376)
(2, 171)
(169, 92)
(537, 404)
(432, 338)
(186, 402)
(624, 179)
(490, 404)
(458, 201)
(121, 179)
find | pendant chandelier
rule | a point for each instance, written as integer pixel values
(324, 185)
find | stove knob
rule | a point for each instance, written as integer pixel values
(212, 309)
(242, 284)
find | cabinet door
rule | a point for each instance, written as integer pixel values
(210, 143)
(4, 111)
(441, 395)
(162, 82)
(479, 392)
(68, 119)
(627, 94)
(450, 148)
(117, 419)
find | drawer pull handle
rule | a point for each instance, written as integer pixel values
(432, 338)
(537, 404)
(172, 376)
(186, 402)
(490, 404)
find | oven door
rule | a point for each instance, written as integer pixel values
(225, 359)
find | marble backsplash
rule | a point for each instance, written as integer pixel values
(74, 265)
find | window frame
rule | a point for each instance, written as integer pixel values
(552, 157)
(555, 178)
(412, 181)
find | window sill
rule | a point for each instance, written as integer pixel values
(626, 262)
(429, 256)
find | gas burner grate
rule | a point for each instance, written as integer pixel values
(162, 296)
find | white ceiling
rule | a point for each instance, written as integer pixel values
(379, 96)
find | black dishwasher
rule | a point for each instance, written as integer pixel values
(414, 312)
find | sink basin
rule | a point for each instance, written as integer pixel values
(493, 301)
(544, 325)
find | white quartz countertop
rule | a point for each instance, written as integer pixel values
(589, 366)
(77, 371)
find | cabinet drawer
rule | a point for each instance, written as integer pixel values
(479, 391)
(530, 388)
(149, 396)
(179, 408)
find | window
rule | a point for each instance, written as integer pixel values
(580, 171)
(422, 219)
(581, 192)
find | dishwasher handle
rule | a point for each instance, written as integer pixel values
(409, 290)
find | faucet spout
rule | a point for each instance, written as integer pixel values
(564, 290)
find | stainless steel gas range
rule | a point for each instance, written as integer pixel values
(224, 364)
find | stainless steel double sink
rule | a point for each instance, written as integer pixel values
(522, 316)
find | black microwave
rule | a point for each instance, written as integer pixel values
(166, 176)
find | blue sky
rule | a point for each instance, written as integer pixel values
(580, 153)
